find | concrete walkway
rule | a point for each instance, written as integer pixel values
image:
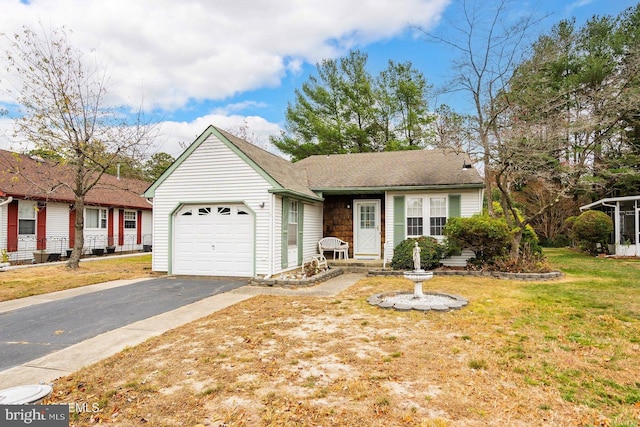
(71, 359)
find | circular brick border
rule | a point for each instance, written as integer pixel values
(383, 300)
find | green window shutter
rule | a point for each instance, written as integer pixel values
(454, 206)
(284, 261)
(398, 220)
(300, 232)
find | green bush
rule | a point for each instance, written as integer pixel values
(591, 228)
(487, 237)
(431, 252)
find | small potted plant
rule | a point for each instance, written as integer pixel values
(4, 259)
(40, 256)
(97, 251)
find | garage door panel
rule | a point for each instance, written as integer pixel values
(214, 240)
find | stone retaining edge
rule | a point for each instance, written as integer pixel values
(294, 283)
(495, 274)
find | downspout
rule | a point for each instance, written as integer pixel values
(272, 225)
(6, 202)
(637, 228)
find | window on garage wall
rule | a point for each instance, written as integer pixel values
(293, 223)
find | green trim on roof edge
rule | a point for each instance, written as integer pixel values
(211, 130)
(365, 190)
(295, 195)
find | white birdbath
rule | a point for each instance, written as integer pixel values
(417, 277)
(418, 300)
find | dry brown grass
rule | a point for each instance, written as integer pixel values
(24, 282)
(511, 358)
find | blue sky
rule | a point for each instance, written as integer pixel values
(236, 62)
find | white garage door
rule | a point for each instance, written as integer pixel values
(213, 240)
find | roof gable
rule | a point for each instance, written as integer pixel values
(283, 175)
(25, 177)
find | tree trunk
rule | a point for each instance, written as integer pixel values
(514, 252)
(78, 243)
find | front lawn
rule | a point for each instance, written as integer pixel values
(41, 279)
(557, 353)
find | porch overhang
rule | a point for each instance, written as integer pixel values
(296, 195)
(604, 202)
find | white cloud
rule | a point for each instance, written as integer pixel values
(177, 54)
(172, 52)
(176, 136)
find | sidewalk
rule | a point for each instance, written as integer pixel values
(71, 359)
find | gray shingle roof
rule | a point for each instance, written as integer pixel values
(421, 168)
(285, 173)
(25, 177)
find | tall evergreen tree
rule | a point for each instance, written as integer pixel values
(344, 109)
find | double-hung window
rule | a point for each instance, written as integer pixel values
(26, 218)
(95, 218)
(129, 220)
(292, 229)
(437, 215)
(415, 217)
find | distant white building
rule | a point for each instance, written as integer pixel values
(625, 213)
(38, 214)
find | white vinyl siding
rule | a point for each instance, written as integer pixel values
(58, 227)
(312, 228)
(213, 173)
(3, 226)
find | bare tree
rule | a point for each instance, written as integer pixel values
(489, 46)
(64, 109)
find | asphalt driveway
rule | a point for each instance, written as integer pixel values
(31, 332)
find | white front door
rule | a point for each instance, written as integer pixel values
(366, 233)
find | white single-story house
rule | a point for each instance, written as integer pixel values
(625, 214)
(226, 207)
(37, 213)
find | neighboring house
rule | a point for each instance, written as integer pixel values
(625, 214)
(226, 207)
(37, 213)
